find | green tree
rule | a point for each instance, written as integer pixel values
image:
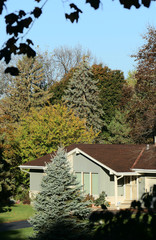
(41, 132)
(118, 130)
(82, 95)
(60, 209)
(110, 84)
(26, 90)
(58, 88)
(7, 177)
(131, 78)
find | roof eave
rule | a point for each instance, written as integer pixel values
(137, 170)
(128, 173)
(32, 167)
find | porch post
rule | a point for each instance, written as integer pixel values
(116, 189)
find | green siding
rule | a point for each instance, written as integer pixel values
(106, 182)
(35, 181)
(83, 164)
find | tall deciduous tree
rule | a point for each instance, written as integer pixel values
(131, 78)
(143, 113)
(60, 209)
(65, 58)
(7, 163)
(58, 88)
(41, 132)
(82, 95)
(110, 85)
(26, 90)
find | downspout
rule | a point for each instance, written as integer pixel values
(116, 188)
(24, 171)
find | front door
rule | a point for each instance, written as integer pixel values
(130, 188)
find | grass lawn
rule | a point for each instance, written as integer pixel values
(18, 212)
(20, 234)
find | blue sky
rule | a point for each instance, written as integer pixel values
(111, 33)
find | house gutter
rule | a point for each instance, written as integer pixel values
(25, 171)
(144, 170)
(31, 167)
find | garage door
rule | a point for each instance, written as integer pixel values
(149, 182)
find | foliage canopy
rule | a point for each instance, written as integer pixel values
(41, 132)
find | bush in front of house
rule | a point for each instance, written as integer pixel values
(22, 195)
(101, 201)
(124, 224)
(60, 212)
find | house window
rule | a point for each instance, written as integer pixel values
(86, 182)
(89, 182)
(94, 183)
(78, 175)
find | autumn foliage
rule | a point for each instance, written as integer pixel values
(41, 132)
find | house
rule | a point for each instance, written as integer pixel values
(124, 172)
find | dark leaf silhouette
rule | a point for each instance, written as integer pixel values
(19, 28)
(37, 12)
(72, 17)
(6, 54)
(26, 49)
(72, 5)
(12, 70)
(146, 3)
(130, 3)
(2, 5)
(11, 18)
(94, 3)
(21, 13)
(29, 41)
(11, 42)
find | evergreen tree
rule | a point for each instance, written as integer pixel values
(60, 209)
(82, 95)
(118, 130)
(26, 90)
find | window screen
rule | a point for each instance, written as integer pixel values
(78, 175)
(86, 178)
(94, 183)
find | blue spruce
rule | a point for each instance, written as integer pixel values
(60, 212)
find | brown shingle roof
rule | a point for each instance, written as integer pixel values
(120, 158)
(147, 160)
